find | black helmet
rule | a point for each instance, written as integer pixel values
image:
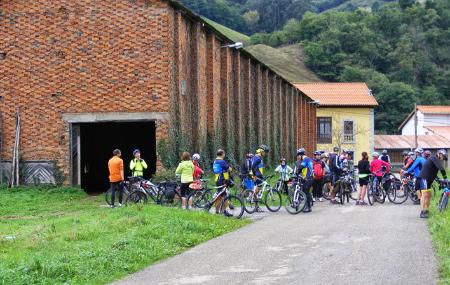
(405, 153)
(264, 147)
(282, 159)
(136, 151)
(336, 149)
(317, 152)
(250, 155)
(301, 151)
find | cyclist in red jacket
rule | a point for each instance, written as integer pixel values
(377, 166)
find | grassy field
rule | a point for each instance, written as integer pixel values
(232, 34)
(288, 61)
(439, 225)
(63, 236)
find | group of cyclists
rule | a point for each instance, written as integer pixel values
(321, 171)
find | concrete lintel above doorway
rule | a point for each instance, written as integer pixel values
(114, 117)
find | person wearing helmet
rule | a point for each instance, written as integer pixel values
(376, 168)
(257, 166)
(285, 171)
(333, 165)
(426, 177)
(385, 156)
(304, 168)
(415, 169)
(245, 174)
(427, 154)
(319, 169)
(137, 165)
(198, 171)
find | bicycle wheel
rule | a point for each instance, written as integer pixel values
(381, 197)
(174, 202)
(201, 198)
(250, 202)
(443, 202)
(295, 205)
(370, 196)
(397, 193)
(136, 197)
(232, 207)
(342, 194)
(272, 200)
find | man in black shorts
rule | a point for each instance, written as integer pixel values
(426, 177)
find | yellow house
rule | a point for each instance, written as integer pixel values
(345, 115)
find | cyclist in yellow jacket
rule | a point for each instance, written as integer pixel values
(137, 165)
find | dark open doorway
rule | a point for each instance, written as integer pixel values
(97, 142)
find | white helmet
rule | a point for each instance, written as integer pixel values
(375, 154)
(196, 157)
(419, 150)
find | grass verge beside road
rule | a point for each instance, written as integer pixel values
(439, 225)
(62, 235)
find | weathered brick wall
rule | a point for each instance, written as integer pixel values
(79, 56)
(139, 56)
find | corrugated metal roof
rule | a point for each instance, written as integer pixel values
(339, 94)
(408, 142)
(443, 131)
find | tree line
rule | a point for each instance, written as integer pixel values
(252, 16)
(402, 51)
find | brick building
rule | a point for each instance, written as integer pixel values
(90, 76)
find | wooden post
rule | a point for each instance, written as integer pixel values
(415, 126)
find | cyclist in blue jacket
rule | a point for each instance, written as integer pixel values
(304, 168)
(415, 169)
(257, 166)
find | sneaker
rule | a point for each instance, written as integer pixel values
(417, 202)
(362, 203)
(358, 203)
(111, 206)
(314, 199)
(320, 199)
(227, 214)
(119, 205)
(422, 214)
(307, 210)
(426, 214)
(333, 202)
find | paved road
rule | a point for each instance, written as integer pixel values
(384, 244)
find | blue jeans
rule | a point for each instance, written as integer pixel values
(375, 184)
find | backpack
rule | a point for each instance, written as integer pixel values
(318, 170)
(217, 168)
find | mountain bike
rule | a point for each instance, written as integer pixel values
(296, 198)
(345, 187)
(280, 185)
(225, 203)
(125, 192)
(375, 195)
(268, 195)
(141, 191)
(169, 194)
(444, 185)
(403, 189)
(201, 196)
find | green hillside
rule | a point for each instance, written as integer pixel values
(288, 61)
(232, 34)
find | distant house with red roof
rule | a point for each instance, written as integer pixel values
(345, 115)
(433, 133)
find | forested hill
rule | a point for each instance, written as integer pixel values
(400, 49)
(252, 16)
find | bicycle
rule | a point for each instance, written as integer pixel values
(296, 198)
(280, 185)
(125, 192)
(229, 205)
(270, 197)
(444, 185)
(169, 194)
(201, 196)
(346, 188)
(377, 195)
(142, 190)
(403, 189)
